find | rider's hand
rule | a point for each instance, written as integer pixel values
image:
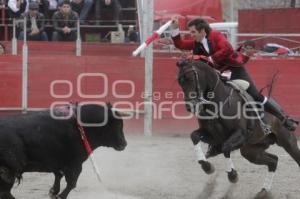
(204, 59)
(210, 60)
(175, 23)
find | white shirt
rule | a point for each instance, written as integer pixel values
(205, 44)
(12, 4)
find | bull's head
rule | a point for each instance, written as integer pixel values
(102, 125)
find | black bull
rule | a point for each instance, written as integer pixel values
(36, 142)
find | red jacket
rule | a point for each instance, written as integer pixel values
(220, 49)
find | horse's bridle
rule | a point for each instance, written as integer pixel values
(199, 97)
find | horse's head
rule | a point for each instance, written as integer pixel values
(195, 79)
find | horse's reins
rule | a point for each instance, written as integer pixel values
(199, 96)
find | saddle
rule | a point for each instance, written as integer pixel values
(241, 86)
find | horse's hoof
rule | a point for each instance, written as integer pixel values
(263, 194)
(51, 192)
(52, 196)
(233, 176)
(207, 167)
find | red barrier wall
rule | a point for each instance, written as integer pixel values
(212, 8)
(45, 69)
(283, 20)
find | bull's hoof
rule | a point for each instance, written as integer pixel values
(263, 194)
(233, 176)
(207, 167)
(52, 193)
(7, 196)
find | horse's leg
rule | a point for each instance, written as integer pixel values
(231, 172)
(196, 139)
(235, 141)
(256, 154)
(288, 141)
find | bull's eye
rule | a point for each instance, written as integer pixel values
(181, 80)
(193, 95)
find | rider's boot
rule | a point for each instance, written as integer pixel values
(272, 107)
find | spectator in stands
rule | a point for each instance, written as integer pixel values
(111, 5)
(2, 49)
(278, 49)
(247, 48)
(35, 24)
(48, 8)
(132, 35)
(2, 4)
(82, 7)
(127, 3)
(17, 7)
(65, 23)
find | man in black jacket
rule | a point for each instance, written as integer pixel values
(35, 24)
(65, 23)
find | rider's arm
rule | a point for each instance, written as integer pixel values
(180, 43)
(223, 49)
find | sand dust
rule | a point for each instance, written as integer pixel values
(164, 167)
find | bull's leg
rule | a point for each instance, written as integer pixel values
(231, 172)
(7, 196)
(7, 181)
(71, 175)
(196, 139)
(256, 154)
(288, 141)
(56, 186)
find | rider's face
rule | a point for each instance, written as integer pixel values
(197, 35)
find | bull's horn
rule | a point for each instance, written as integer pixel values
(126, 112)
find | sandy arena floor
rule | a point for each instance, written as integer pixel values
(164, 167)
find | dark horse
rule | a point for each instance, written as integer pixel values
(205, 93)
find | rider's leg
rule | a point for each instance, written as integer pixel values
(270, 105)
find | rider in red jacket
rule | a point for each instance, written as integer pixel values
(215, 46)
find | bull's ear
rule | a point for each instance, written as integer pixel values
(122, 113)
(126, 113)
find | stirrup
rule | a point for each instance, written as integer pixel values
(266, 128)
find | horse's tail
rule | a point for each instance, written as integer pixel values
(269, 86)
